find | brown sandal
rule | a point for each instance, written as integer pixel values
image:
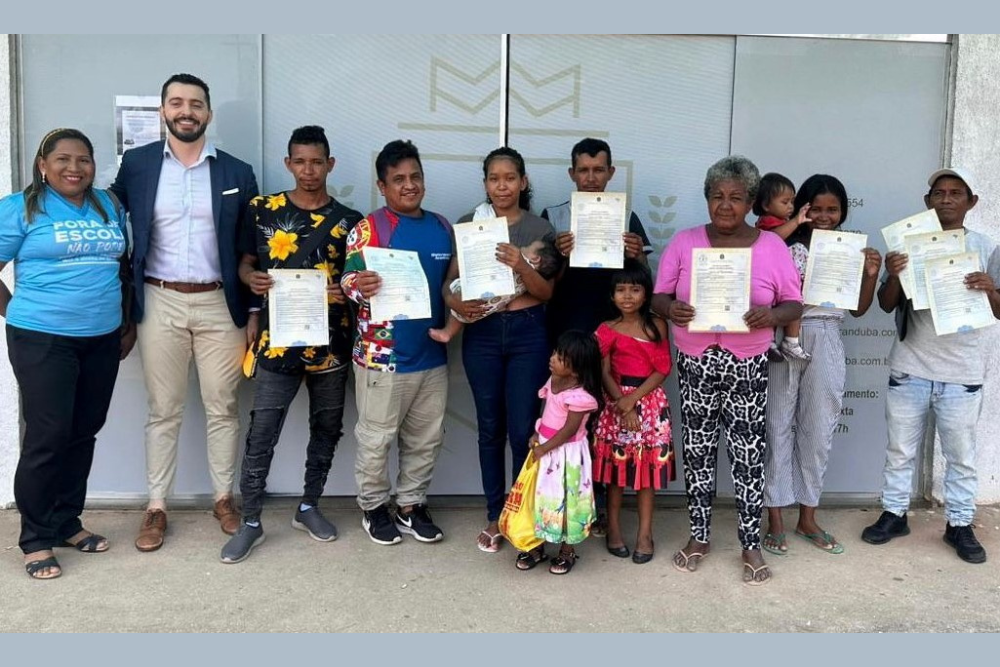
(529, 560)
(564, 562)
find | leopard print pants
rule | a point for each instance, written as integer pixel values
(720, 390)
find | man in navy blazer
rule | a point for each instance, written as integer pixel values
(187, 201)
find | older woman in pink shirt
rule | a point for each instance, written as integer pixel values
(723, 376)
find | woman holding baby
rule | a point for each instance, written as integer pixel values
(506, 353)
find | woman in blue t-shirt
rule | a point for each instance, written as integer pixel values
(65, 338)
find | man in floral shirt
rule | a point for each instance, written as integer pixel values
(401, 375)
(307, 229)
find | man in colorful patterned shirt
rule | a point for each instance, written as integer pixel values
(307, 229)
(401, 375)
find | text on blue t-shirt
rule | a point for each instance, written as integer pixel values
(66, 263)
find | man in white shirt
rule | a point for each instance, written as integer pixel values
(187, 201)
(940, 375)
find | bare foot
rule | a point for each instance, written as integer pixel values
(489, 539)
(565, 561)
(821, 539)
(775, 543)
(807, 528)
(688, 558)
(439, 335)
(47, 572)
(755, 570)
(89, 544)
(774, 540)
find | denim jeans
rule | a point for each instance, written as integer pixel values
(66, 384)
(956, 408)
(506, 360)
(273, 393)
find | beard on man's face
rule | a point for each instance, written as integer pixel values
(188, 136)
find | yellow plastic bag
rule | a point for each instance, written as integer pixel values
(517, 520)
(250, 362)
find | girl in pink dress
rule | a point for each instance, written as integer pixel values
(564, 494)
(633, 436)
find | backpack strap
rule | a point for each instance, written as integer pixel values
(119, 209)
(902, 314)
(384, 225)
(444, 223)
(386, 220)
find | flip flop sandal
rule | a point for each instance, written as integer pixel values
(835, 547)
(778, 539)
(752, 581)
(493, 546)
(36, 566)
(687, 559)
(90, 544)
(529, 560)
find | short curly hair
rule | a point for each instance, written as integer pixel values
(734, 168)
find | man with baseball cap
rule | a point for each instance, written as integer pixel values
(939, 375)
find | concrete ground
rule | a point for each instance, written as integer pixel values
(292, 583)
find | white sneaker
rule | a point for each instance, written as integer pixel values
(794, 351)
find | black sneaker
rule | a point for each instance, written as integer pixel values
(887, 527)
(418, 523)
(965, 543)
(380, 528)
(240, 545)
(313, 522)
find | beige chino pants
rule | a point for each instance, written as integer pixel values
(410, 406)
(175, 328)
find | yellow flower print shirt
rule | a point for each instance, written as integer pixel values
(278, 232)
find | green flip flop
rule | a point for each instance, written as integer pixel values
(779, 539)
(835, 548)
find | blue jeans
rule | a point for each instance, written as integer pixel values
(273, 394)
(956, 407)
(506, 360)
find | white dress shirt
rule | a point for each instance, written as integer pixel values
(183, 246)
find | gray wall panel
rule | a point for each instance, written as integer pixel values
(71, 81)
(872, 114)
(663, 104)
(440, 91)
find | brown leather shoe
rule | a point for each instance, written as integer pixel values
(227, 515)
(154, 525)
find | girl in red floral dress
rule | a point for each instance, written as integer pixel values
(633, 437)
